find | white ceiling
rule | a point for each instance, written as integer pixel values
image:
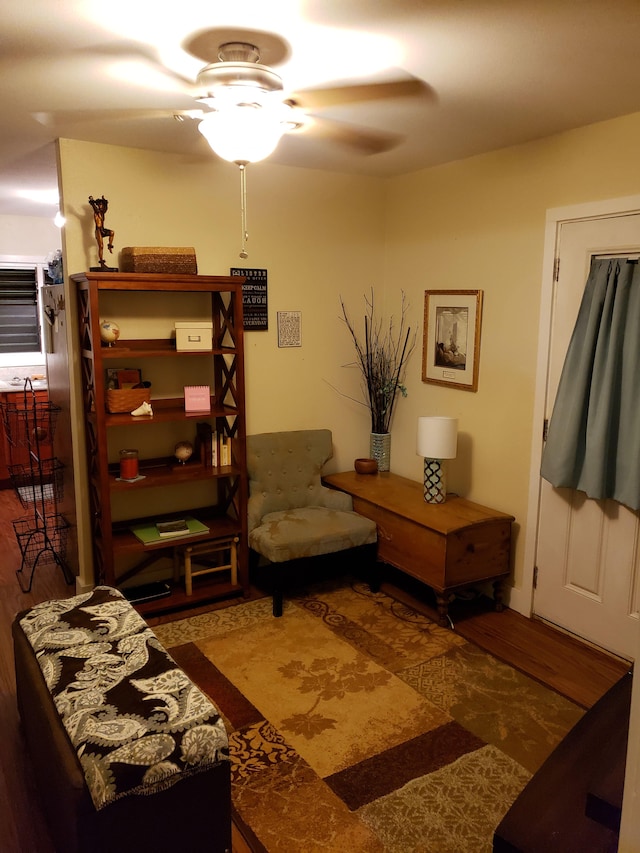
(498, 72)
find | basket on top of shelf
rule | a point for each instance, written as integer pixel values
(126, 399)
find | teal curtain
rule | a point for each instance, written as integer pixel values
(593, 442)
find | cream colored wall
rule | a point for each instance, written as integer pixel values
(319, 235)
(35, 236)
(479, 224)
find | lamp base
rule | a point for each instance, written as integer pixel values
(435, 491)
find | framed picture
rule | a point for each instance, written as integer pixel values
(289, 328)
(112, 378)
(451, 342)
(127, 377)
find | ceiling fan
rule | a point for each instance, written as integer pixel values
(241, 101)
(246, 108)
(235, 73)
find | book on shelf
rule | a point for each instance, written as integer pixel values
(225, 450)
(179, 527)
(204, 443)
(150, 532)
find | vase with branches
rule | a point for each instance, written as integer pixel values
(382, 352)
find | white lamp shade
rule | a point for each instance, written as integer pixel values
(240, 134)
(245, 132)
(437, 438)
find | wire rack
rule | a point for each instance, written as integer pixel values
(42, 539)
(37, 478)
(43, 486)
(30, 424)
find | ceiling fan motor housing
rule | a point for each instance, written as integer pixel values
(239, 66)
(246, 74)
(238, 51)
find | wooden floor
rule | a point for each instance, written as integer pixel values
(574, 669)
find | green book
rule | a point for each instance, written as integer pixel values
(149, 534)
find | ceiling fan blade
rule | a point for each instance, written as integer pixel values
(61, 118)
(359, 139)
(332, 96)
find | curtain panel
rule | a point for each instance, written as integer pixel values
(593, 441)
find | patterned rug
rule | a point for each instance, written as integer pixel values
(357, 724)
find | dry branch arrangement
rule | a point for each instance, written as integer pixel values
(382, 356)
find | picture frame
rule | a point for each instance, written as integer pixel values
(451, 338)
(289, 328)
(129, 377)
(112, 378)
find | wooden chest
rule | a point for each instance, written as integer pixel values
(446, 546)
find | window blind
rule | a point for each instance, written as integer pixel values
(19, 322)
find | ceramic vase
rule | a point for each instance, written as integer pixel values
(380, 449)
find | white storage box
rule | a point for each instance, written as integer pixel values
(194, 336)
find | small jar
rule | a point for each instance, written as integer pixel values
(128, 464)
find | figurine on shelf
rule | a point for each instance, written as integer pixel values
(183, 451)
(100, 206)
(143, 409)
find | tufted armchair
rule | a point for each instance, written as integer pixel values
(291, 515)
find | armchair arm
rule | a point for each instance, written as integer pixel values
(255, 511)
(333, 499)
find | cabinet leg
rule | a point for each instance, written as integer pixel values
(497, 596)
(443, 611)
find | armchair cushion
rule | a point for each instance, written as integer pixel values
(308, 532)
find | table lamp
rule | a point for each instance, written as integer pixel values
(437, 440)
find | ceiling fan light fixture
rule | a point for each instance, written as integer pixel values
(245, 132)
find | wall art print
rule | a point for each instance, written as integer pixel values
(451, 342)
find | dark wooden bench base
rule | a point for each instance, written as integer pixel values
(194, 814)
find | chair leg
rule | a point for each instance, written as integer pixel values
(277, 602)
(278, 581)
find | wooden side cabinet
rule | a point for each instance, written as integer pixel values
(446, 546)
(146, 308)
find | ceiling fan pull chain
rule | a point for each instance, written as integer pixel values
(243, 208)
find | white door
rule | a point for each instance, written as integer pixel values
(587, 556)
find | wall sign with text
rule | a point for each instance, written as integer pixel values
(289, 328)
(254, 298)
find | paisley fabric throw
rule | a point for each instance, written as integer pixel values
(136, 721)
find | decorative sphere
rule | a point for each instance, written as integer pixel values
(109, 332)
(183, 451)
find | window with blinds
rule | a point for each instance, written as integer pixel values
(19, 315)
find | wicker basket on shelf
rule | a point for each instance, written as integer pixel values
(126, 399)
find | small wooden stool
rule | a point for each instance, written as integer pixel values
(211, 546)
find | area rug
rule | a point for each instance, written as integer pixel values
(357, 724)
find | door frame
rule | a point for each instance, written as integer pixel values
(522, 599)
